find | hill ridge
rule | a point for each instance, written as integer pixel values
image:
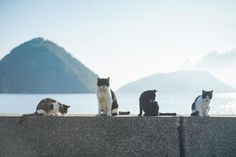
(178, 81)
(35, 59)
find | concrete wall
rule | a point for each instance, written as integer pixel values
(117, 136)
(209, 137)
(88, 136)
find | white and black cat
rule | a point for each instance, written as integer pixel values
(200, 106)
(149, 105)
(107, 101)
(48, 106)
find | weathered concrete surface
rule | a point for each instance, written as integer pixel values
(209, 137)
(118, 136)
(89, 136)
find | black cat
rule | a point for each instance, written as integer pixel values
(148, 104)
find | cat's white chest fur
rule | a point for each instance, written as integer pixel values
(104, 101)
(202, 106)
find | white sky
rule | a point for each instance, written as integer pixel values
(126, 39)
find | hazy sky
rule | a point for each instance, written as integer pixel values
(128, 39)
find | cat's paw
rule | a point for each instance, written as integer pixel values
(109, 115)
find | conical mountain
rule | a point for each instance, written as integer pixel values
(41, 66)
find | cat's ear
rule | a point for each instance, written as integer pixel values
(108, 78)
(203, 91)
(211, 91)
(154, 91)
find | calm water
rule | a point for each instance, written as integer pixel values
(222, 103)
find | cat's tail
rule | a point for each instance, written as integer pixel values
(167, 114)
(124, 112)
(27, 115)
(195, 113)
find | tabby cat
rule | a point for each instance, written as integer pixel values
(48, 106)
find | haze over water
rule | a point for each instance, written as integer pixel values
(222, 103)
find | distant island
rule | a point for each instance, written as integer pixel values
(180, 81)
(41, 66)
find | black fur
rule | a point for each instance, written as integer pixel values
(195, 113)
(103, 81)
(114, 101)
(207, 93)
(148, 104)
(167, 114)
(194, 103)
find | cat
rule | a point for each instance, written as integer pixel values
(200, 106)
(48, 106)
(107, 101)
(148, 104)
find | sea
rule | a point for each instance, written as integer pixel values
(180, 103)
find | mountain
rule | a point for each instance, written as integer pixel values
(180, 81)
(41, 66)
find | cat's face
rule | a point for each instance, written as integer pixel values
(207, 95)
(103, 83)
(63, 109)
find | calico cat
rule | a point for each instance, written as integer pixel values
(148, 104)
(200, 106)
(48, 106)
(107, 101)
